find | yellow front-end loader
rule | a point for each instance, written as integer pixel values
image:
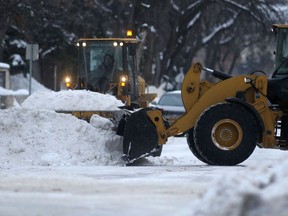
(108, 66)
(225, 120)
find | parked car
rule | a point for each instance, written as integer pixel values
(172, 105)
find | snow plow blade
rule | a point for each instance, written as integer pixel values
(140, 137)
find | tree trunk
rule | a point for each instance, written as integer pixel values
(4, 23)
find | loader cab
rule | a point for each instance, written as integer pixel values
(278, 84)
(281, 54)
(108, 65)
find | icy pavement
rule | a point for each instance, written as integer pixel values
(174, 184)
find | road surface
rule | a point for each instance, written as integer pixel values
(157, 186)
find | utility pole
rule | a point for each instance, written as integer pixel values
(32, 54)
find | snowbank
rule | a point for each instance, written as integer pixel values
(8, 92)
(258, 191)
(45, 138)
(18, 81)
(34, 134)
(72, 100)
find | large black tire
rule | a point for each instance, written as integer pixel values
(192, 146)
(225, 134)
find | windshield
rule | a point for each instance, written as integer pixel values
(171, 100)
(102, 62)
(282, 52)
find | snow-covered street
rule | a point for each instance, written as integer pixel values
(169, 185)
(55, 164)
(90, 90)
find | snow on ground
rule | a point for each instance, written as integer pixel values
(34, 134)
(52, 161)
(257, 191)
(42, 137)
(6, 92)
(72, 100)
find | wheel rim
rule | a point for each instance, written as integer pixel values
(227, 134)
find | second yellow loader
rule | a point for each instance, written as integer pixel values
(224, 120)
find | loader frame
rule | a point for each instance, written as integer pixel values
(248, 91)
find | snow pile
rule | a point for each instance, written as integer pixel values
(45, 138)
(34, 134)
(18, 81)
(262, 191)
(72, 100)
(8, 92)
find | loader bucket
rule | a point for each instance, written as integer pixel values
(140, 137)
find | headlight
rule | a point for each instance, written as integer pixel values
(67, 79)
(68, 82)
(247, 80)
(123, 80)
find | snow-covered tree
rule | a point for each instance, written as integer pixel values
(174, 33)
(213, 31)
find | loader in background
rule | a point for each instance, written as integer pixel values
(224, 120)
(108, 66)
